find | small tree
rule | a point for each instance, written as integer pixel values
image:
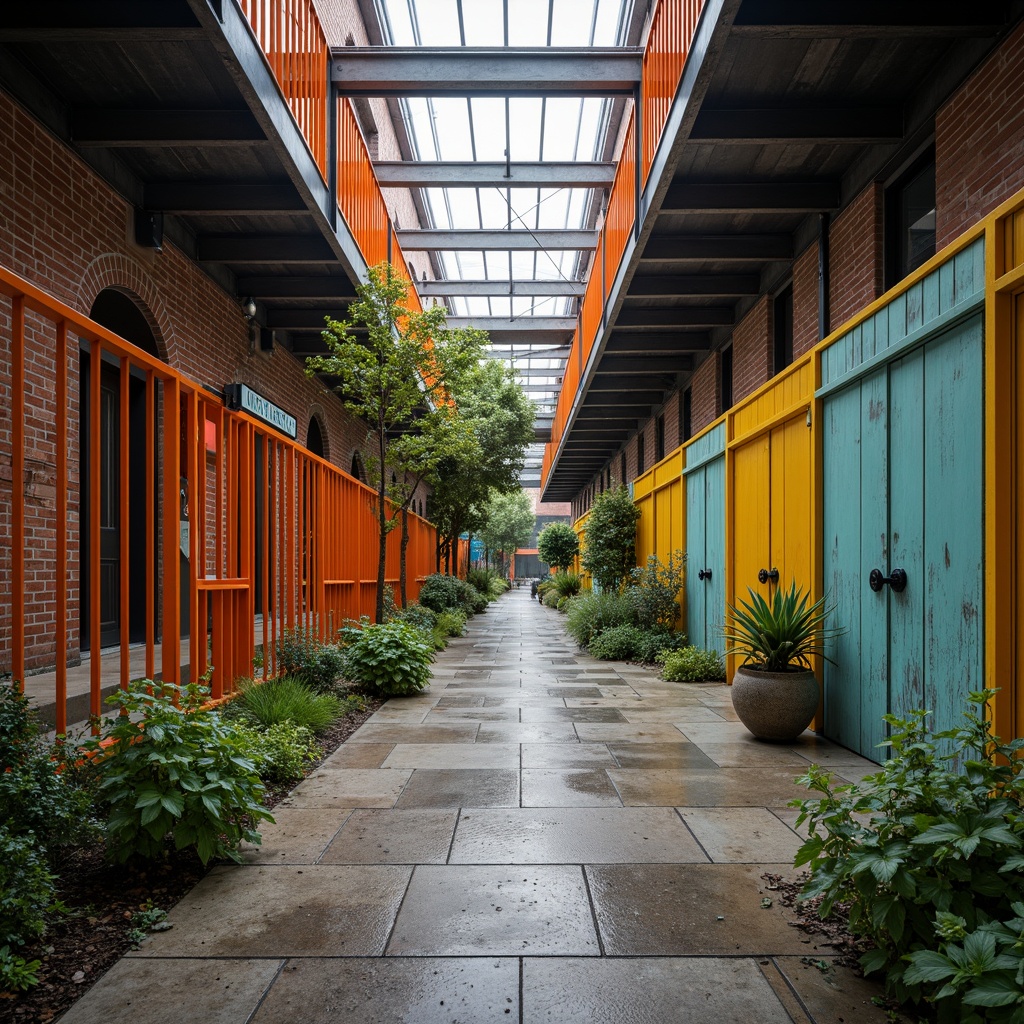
(508, 523)
(558, 545)
(609, 551)
(398, 378)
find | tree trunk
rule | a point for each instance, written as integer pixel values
(405, 544)
(382, 557)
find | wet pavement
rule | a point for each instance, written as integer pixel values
(539, 836)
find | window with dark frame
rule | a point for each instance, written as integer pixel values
(639, 454)
(659, 439)
(726, 378)
(622, 467)
(686, 427)
(782, 329)
(910, 220)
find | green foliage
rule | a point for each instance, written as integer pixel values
(558, 545)
(590, 613)
(508, 523)
(16, 973)
(654, 590)
(657, 642)
(618, 643)
(281, 751)
(144, 921)
(418, 615)
(440, 593)
(928, 854)
(27, 889)
(178, 770)
(609, 550)
(301, 653)
(692, 665)
(390, 659)
(782, 636)
(452, 623)
(285, 700)
(551, 598)
(567, 584)
(44, 795)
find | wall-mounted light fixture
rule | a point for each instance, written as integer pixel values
(249, 312)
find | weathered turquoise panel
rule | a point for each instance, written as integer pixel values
(945, 293)
(707, 446)
(705, 549)
(696, 533)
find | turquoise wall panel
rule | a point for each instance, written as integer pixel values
(705, 550)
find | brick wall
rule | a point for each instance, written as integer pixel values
(706, 392)
(671, 412)
(855, 256)
(752, 350)
(805, 301)
(979, 139)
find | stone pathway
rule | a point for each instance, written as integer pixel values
(538, 837)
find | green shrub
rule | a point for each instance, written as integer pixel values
(927, 852)
(475, 603)
(482, 580)
(590, 613)
(657, 641)
(301, 653)
(654, 590)
(452, 623)
(389, 659)
(558, 545)
(568, 584)
(440, 592)
(551, 598)
(609, 547)
(44, 794)
(179, 770)
(692, 665)
(16, 973)
(285, 700)
(280, 752)
(617, 643)
(27, 889)
(498, 586)
(418, 615)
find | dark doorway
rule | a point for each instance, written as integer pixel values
(315, 437)
(115, 311)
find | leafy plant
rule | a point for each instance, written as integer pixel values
(654, 590)
(178, 770)
(452, 623)
(656, 642)
(440, 593)
(27, 889)
(147, 919)
(619, 643)
(928, 853)
(390, 659)
(301, 653)
(16, 973)
(488, 582)
(567, 584)
(418, 615)
(692, 665)
(551, 598)
(590, 613)
(558, 545)
(285, 700)
(782, 636)
(609, 549)
(281, 751)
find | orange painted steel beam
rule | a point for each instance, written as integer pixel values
(60, 526)
(18, 491)
(95, 491)
(124, 495)
(194, 499)
(171, 604)
(150, 483)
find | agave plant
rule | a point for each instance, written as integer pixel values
(782, 636)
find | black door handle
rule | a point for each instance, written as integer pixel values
(897, 580)
(704, 574)
(764, 575)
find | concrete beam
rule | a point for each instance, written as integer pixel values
(451, 174)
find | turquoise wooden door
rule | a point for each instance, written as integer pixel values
(902, 486)
(705, 554)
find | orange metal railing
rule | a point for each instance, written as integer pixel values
(359, 197)
(290, 34)
(672, 29)
(226, 532)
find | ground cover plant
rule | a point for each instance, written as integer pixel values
(303, 654)
(591, 613)
(287, 699)
(692, 665)
(927, 852)
(654, 588)
(440, 593)
(280, 751)
(388, 659)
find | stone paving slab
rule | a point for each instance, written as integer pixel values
(454, 755)
(706, 787)
(741, 835)
(568, 787)
(349, 787)
(539, 732)
(423, 990)
(359, 755)
(601, 732)
(322, 910)
(564, 755)
(371, 732)
(461, 787)
(660, 755)
(393, 837)
(298, 835)
(495, 911)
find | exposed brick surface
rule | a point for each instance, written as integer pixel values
(672, 424)
(805, 301)
(979, 142)
(752, 350)
(855, 256)
(706, 387)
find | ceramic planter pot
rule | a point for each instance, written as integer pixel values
(775, 705)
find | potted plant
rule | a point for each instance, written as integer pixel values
(774, 690)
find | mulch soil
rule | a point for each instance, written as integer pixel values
(104, 902)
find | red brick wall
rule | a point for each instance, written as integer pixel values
(805, 301)
(979, 142)
(752, 350)
(855, 256)
(672, 421)
(706, 392)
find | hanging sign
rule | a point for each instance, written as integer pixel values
(239, 396)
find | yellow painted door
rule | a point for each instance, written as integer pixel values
(791, 504)
(751, 504)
